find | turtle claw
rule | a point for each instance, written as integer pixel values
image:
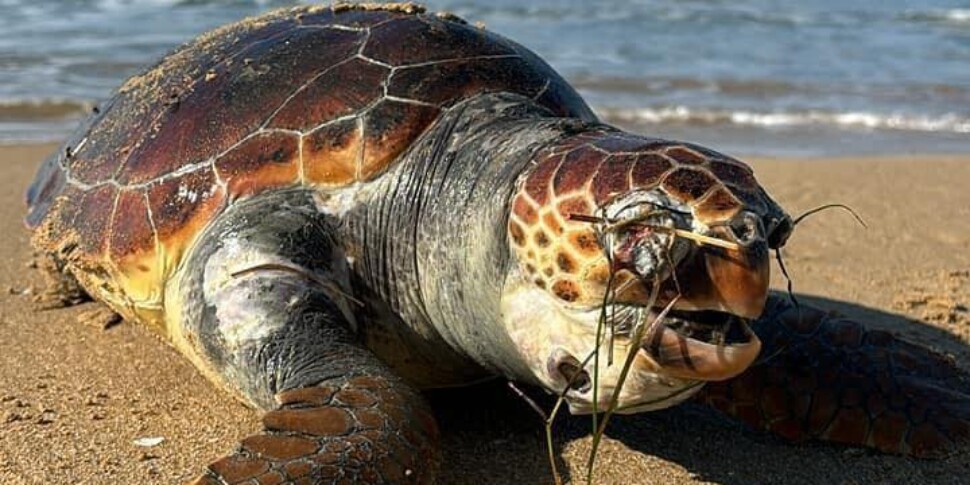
(100, 317)
(363, 431)
(828, 378)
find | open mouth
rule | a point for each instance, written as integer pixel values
(701, 345)
(713, 281)
(706, 336)
(709, 326)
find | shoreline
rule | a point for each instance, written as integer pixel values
(73, 397)
(800, 143)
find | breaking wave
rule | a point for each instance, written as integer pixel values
(42, 109)
(954, 16)
(947, 123)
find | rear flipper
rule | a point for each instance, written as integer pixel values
(266, 310)
(824, 377)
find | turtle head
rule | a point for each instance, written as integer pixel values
(660, 248)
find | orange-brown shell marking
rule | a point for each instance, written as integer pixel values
(581, 174)
(315, 96)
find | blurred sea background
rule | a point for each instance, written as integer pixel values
(748, 77)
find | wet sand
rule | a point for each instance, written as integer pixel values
(74, 396)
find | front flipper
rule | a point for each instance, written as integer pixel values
(365, 429)
(264, 307)
(821, 376)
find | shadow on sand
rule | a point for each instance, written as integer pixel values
(491, 436)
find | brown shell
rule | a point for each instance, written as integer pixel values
(584, 172)
(313, 96)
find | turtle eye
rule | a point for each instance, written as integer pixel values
(746, 228)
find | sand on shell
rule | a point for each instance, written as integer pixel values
(74, 397)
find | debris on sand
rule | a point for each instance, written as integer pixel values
(148, 441)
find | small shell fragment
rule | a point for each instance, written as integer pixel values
(148, 442)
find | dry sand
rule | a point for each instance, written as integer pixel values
(73, 396)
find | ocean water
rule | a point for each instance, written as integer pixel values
(774, 77)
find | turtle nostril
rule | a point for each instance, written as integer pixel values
(780, 231)
(569, 368)
(577, 378)
(746, 228)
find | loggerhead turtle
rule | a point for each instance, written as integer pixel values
(329, 208)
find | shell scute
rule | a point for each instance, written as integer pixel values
(388, 129)
(341, 90)
(358, 19)
(132, 249)
(331, 153)
(131, 228)
(132, 117)
(91, 166)
(50, 181)
(93, 233)
(62, 218)
(177, 203)
(556, 96)
(96, 159)
(230, 101)
(440, 82)
(293, 97)
(261, 162)
(430, 40)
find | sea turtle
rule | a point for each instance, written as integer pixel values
(328, 209)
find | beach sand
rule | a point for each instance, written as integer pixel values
(74, 396)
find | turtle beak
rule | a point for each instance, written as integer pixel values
(728, 280)
(678, 355)
(717, 286)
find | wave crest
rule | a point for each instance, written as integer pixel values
(946, 123)
(42, 109)
(953, 16)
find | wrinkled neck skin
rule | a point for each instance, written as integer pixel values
(441, 250)
(429, 242)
